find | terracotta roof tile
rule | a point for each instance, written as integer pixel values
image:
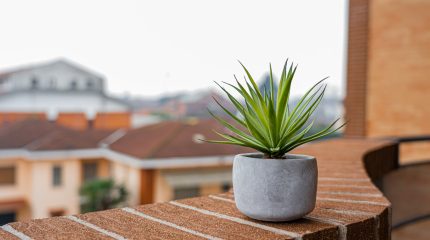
(163, 140)
(42, 135)
(174, 139)
(22, 133)
(66, 139)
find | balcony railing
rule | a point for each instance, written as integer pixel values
(408, 190)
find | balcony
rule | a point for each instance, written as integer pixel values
(349, 206)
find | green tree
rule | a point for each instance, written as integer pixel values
(101, 194)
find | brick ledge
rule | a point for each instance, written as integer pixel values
(349, 206)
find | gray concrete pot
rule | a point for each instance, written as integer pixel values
(275, 189)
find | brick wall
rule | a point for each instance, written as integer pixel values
(112, 120)
(11, 117)
(73, 120)
(388, 88)
(355, 102)
(399, 68)
(399, 73)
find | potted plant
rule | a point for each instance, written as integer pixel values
(273, 185)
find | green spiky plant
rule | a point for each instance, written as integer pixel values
(267, 124)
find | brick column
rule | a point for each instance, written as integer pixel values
(358, 35)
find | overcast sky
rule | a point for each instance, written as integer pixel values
(149, 48)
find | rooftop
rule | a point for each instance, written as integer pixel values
(42, 135)
(168, 144)
(171, 139)
(349, 206)
(174, 139)
(5, 73)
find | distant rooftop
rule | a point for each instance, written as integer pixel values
(169, 140)
(4, 73)
(175, 139)
(54, 87)
(55, 75)
(38, 135)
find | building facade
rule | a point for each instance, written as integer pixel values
(58, 89)
(43, 165)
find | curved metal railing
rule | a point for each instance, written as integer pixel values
(408, 189)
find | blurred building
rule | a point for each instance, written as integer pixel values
(388, 75)
(184, 105)
(60, 91)
(43, 164)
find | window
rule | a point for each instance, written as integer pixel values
(73, 85)
(90, 84)
(34, 83)
(186, 192)
(53, 83)
(7, 175)
(57, 173)
(57, 213)
(90, 171)
(226, 187)
(7, 217)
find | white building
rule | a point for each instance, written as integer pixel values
(57, 86)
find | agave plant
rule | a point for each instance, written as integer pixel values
(266, 122)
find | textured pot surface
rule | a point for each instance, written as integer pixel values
(275, 189)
